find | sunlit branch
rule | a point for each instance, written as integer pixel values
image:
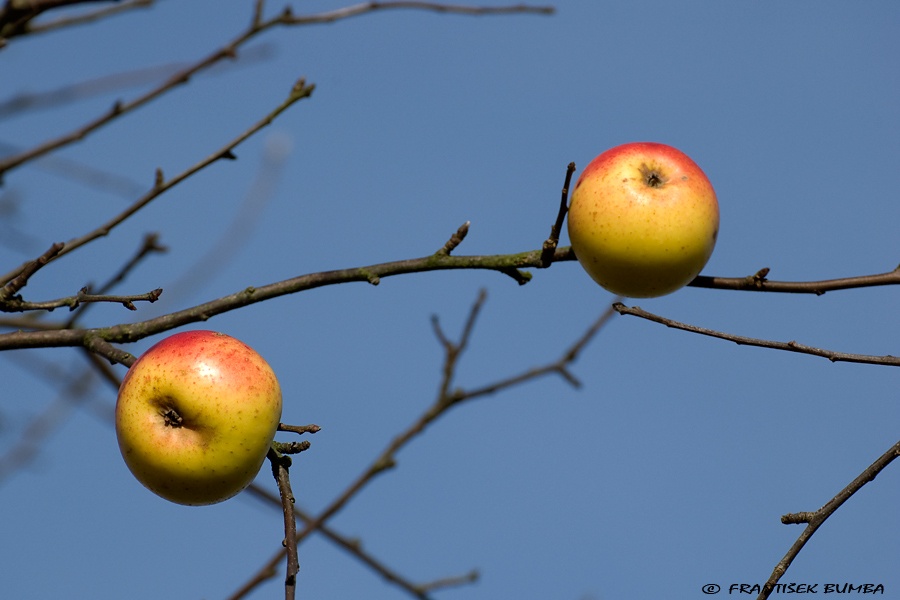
(447, 397)
(353, 547)
(792, 346)
(758, 283)
(507, 264)
(815, 519)
(550, 244)
(81, 298)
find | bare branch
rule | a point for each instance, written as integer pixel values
(299, 429)
(229, 51)
(81, 298)
(298, 92)
(446, 399)
(758, 283)
(101, 347)
(88, 17)
(132, 332)
(16, 16)
(791, 346)
(552, 242)
(353, 547)
(455, 240)
(20, 279)
(815, 519)
(368, 7)
(280, 470)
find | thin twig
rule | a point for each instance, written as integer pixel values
(229, 51)
(101, 347)
(792, 346)
(149, 246)
(88, 17)
(15, 17)
(124, 333)
(132, 332)
(447, 398)
(81, 298)
(815, 519)
(299, 429)
(455, 240)
(298, 92)
(20, 279)
(552, 242)
(354, 548)
(758, 283)
(368, 7)
(281, 465)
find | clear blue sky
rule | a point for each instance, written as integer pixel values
(671, 466)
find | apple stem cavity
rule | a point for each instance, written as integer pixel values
(172, 418)
(652, 177)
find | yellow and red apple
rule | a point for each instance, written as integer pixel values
(196, 415)
(643, 219)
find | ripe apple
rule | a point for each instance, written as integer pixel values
(643, 219)
(196, 415)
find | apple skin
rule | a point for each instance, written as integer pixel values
(643, 219)
(196, 415)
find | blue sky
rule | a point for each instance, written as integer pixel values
(667, 470)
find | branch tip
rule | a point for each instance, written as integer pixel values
(455, 240)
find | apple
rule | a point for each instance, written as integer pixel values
(643, 219)
(196, 415)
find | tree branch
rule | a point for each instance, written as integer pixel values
(552, 242)
(354, 548)
(288, 18)
(792, 346)
(82, 297)
(87, 17)
(298, 92)
(281, 465)
(815, 519)
(372, 274)
(509, 264)
(16, 16)
(257, 25)
(446, 399)
(758, 283)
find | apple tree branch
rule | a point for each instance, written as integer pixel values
(815, 519)
(448, 397)
(792, 346)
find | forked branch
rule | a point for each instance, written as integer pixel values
(815, 519)
(448, 396)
